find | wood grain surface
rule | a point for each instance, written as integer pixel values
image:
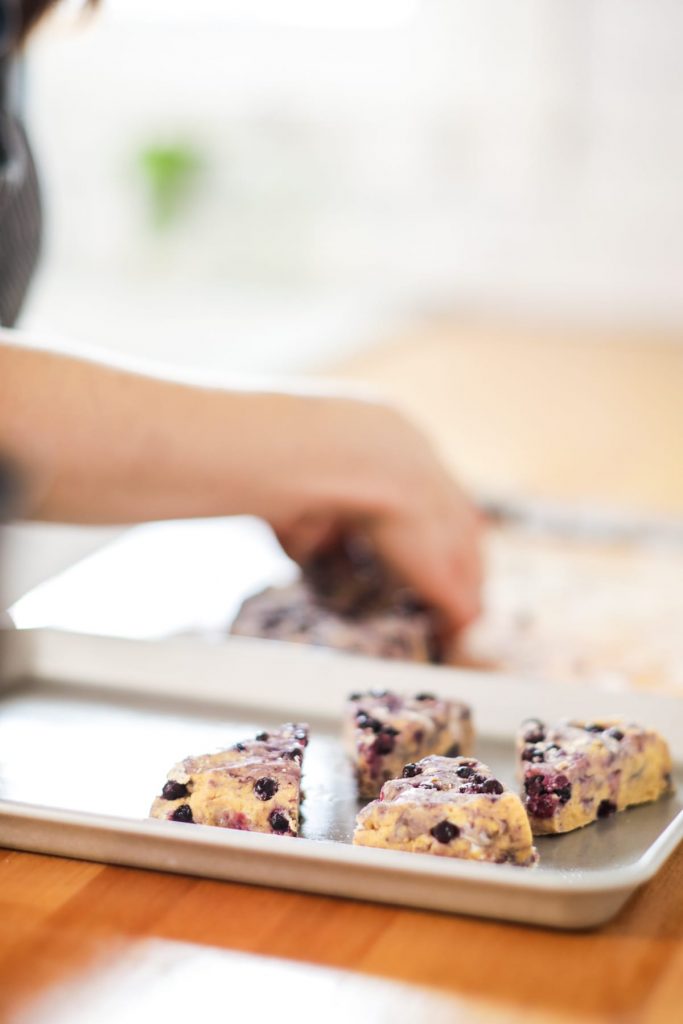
(553, 413)
(82, 942)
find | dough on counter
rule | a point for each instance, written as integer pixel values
(449, 807)
(254, 786)
(576, 772)
(383, 731)
(577, 610)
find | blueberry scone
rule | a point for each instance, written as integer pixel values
(383, 731)
(575, 772)
(254, 786)
(400, 630)
(347, 601)
(451, 807)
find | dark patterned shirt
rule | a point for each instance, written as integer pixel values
(20, 212)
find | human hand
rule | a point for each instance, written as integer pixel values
(375, 476)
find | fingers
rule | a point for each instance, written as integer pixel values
(443, 565)
(443, 584)
(439, 558)
(395, 491)
(307, 536)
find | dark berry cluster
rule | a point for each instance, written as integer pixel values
(545, 792)
(385, 734)
(534, 731)
(265, 788)
(562, 786)
(385, 741)
(479, 783)
(613, 731)
(295, 754)
(174, 790)
(279, 822)
(445, 831)
(492, 786)
(366, 721)
(537, 754)
(183, 813)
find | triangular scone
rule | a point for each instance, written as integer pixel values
(575, 772)
(295, 613)
(451, 807)
(383, 731)
(254, 786)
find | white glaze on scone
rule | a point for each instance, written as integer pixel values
(449, 807)
(383, 731)
(254, 786)
(573, 773)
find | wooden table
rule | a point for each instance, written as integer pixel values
(85, 942)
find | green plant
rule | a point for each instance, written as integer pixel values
(170, 172)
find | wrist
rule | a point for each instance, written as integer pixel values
(323, 453)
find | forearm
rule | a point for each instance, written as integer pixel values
(102, 444)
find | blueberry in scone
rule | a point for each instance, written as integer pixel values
(384, 731)
(254, 785)
(573, 773)
(449, 807)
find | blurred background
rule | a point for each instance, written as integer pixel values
(476, 207)
(276, 178)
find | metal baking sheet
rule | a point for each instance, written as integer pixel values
(89, 726)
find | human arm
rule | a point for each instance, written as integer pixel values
(101, 443)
